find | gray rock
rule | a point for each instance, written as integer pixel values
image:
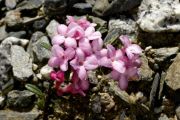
(173, 74)
(14, 115)
(41, 54)
(11, 3)
(104, 7)
(30, 4)
(19, 34)
(51, 29)
(2, 101)
(178, 112)
(159, 20)
(20, 99)
(92, 2)
(45, 71)
(122, 26)
(5, 65)
(21, 62)
(98, 20)
(39, 24)
(95, 103)
(83, 8)
(92, 77)
(163, 117)
(3, 32)
(55, 7)
(145, 72)
(13, 18)
(15, 41)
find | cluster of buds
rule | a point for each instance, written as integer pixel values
(78, 48)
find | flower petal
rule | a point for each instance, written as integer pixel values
(64, 65)
(57, 51)
(89, 31)
(82, 73)
(91, 62)
(123, 82)
(85, 46)
(70, 42)
(95, 35)
(53, 62)
(111, 50)
(125, 40)
(84, 84)
(69, 53)
(62, 29)
(104, 61)
(119, 66)
(115, 75)
(58, 40)
(74, 63)
(80, 55)
(118, 55)
(97, 44)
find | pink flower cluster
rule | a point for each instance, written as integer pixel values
(78, 48)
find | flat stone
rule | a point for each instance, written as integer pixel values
(14, 115)
(13, 18)
(11, 3)
(173, 74)
(83, 8)
(15, 41)
(18, 34)
(51, 29)
(2, 101)
(159, 20)
(21, 62)
(41, 54)
(45, 72)
(30, 4)
(20, 99)
(145, 72)
(178, 112)
(104, 7)
(3, 32)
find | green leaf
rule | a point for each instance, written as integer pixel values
(41, 103)
(34, 90)
(46, 46)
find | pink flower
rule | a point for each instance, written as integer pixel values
(60, 57)
(81, 63)
(130, 49)
(58, 40)
(62, 29)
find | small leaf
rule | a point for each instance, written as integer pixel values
(41, 103)
(46, 46)
(34, 90)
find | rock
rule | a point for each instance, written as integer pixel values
(40, 24)
(92, 77)
(92, 2)
(13, 18)
(3, 32)
(2, 101)
(55, 7)
(45, 71)
(173, 74)
(104, 7)
(159, 20)
(83, 8)
(29, 4)
(20, 99)
(19, 34)
(21, 62)
(178, 112)
(122, 26)
(41, 54)
(107, 101)
(163, 117)
(10, 3)
(98, 20)
(51, 29)
(14, 115)
(145, 72)
(15, 41)
(5, 65)
(95, 104)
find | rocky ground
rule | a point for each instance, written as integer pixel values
(26, 24)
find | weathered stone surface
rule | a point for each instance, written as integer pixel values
(18, 34)
(15, 41)
(13, 18)
(54, 7)
(2, 101)
(5, 65)
(145, 72)
(20, 99)
(104, 7)
(3, 32)
(40, 53)
(45, 72)
(121, 26)
(13, 115)
(159, 20)
(11, 3)
(51, 29)
(178, 112)
(83, 8)
(173, 74)
(21, 62)
(30, 4)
